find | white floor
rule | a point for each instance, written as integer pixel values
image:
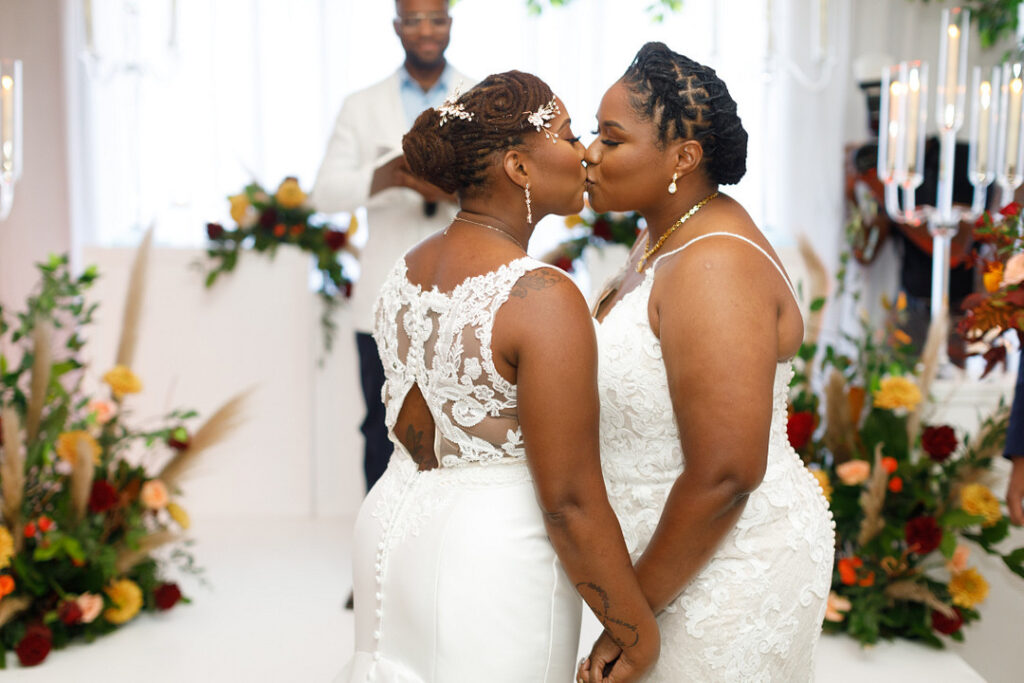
(273, 612)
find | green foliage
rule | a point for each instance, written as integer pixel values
(995, 19)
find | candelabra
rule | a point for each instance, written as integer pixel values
(996, 143)
(10, 132)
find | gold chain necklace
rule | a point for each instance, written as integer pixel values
(485, 225)
(675, 226)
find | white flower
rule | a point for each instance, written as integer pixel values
(472, 367)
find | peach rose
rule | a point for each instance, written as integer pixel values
(91, 606)
(837, 607)
(1013, 274)
(853, 472)
(154, 494)
(103, 410)
(958, 562)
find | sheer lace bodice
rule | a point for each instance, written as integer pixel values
(441, 342)
(754, 611)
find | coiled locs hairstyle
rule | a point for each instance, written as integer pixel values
(456, 156)
(687, 100)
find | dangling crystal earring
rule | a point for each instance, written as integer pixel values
(672, 185)
(529, 209)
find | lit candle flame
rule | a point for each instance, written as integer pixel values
(953, 31)
(985, 90)
(7, 82)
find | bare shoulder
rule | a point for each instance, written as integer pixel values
(539, 280)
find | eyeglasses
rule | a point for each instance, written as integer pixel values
(411, 22)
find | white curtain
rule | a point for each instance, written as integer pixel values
(185, 101)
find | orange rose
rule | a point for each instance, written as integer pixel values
(848, 567)
(958, 562)
(154, 494)
(1013, 274)
(837, 607)
(6, 585)
(895, 484)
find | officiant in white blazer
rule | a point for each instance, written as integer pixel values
(364, 166)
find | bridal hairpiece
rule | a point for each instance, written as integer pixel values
(541, 119)
(453, 109)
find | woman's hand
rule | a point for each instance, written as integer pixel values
(608, 663)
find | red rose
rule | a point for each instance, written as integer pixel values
(947, 625)
(1010, 210)
(799, 428)
(268, 219)
(939, 442)
(895, 484)
(565, 263)
(45, 524)
(923, 535)
(214, 231)
(103, 496)
(603, 229)
(348, 290)
(335, 239)
(167, 596)
(35, 645)
(982, 220)
(889, 464)
(70, 613)
(30, 530)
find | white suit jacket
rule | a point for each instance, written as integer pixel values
(367, 134)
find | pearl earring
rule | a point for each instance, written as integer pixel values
(672, 185)
(529, 208)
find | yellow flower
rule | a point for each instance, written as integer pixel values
(976, 499)
(902, 337)
(127, 599)
(179, 515)
(6, 547)
(71, 444)
(353, 227)
(242, 212)
(824, 483)
(123, 381)
(968, 588)
(289, 194)
(901, 302)
(993, 276)
(573, 221)
(897, 392)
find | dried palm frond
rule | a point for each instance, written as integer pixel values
(12, 473)
(41, 363)
(81, 480)
(913, 591)
(11, 606)
(817, 277)
(220, 424)
(934, 340)
(839, 434)
(128, 558)
(872, 498)
(133, 300)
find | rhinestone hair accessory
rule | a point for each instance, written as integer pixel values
(453, 109)
(541, 119)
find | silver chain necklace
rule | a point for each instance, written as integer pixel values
(503, 232)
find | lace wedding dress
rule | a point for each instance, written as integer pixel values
(754, 612)
(454, 577)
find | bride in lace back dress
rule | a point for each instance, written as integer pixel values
(472, 551)
(731, 535)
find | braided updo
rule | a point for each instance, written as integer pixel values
(688, 100)
(455, 156)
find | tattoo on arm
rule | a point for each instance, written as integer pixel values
(535, 280)
(600, 597)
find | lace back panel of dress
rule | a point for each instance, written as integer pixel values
(441, 342)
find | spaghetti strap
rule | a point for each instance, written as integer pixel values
(752, 243)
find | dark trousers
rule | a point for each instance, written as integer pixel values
(377, 447)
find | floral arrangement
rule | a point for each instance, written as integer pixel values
(264, 221)
(594, 229)
(999, 308)
(82, 513)
(908, 497)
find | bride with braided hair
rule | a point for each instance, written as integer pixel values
(730, 534)
(472, 551)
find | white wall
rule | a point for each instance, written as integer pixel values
(39, 221)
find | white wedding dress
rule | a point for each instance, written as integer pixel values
(754, 612)
(455, 579)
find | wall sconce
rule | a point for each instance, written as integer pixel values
(10, 132)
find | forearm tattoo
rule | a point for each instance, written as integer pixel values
(535, 280)
(599, 595)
